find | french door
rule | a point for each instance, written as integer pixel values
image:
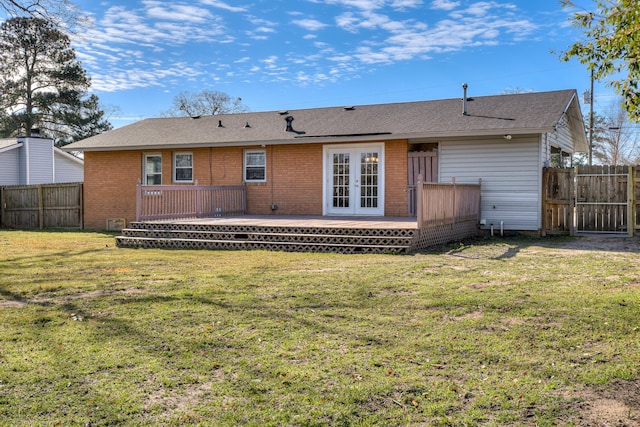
(354, 180)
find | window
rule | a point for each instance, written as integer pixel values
(182, 167)
(152, 169)
(255, 165)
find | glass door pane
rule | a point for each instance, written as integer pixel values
(341, 180)
(369, 179)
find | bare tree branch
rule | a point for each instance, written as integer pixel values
(61, 13)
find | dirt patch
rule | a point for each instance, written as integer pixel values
(57, 300)
(614, 405)
(609, 243)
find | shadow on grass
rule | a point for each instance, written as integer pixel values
(509, 246)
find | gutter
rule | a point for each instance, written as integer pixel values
(321, 139)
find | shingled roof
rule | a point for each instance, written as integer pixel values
(525, 113)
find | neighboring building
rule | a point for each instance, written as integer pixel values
(352, 160)
(35, 160)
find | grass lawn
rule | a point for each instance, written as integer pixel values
(494, 332)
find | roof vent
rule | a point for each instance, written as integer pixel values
(220, 124)
(349, 108)
(464, 99)
(246, 125)
(289, 127)
(283, 112)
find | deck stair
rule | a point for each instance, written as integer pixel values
(267, 237)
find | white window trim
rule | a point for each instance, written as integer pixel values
(244, 164)
(174, 168)
(144, 166)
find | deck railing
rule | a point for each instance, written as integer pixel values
(155, 202)
(446, 212)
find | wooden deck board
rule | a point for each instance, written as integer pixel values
(305, 221)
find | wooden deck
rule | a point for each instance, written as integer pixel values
(277, 232)
(387, 222)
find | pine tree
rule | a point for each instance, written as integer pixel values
(42, 83)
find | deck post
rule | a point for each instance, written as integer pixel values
(138, 200)
(198, 199)
(419, 201)
(453, 202)
(244, 197)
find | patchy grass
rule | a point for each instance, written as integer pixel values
(492, 333)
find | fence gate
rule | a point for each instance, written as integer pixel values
(602, 199)
(420, 163)
(591, 199)
(558, 201)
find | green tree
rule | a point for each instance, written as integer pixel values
(42, 84)
(611, 47)
(203, 103)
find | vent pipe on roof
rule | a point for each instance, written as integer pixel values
(220, 124)
(289, 126)
(464, 99)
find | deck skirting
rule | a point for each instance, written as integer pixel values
(300, 234)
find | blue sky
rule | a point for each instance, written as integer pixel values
(315, 53)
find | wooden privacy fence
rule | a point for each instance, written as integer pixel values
(155, 202)
(558, 201)
(446, 212)
(42, 206)
(590, 199)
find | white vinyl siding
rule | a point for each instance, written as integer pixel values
(9, 167)
(511, 173)
(40, 162)
(68, 169)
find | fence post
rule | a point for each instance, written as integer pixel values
(40, 207)
(419, 198)
(479, 200)
(631, 202)
(3, 206)
(138, 200)
(81, 205)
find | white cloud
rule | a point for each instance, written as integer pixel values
(177, 12)
(153, 44)
(124, 79)
(444, 4)
(310, 24)
(223, 5)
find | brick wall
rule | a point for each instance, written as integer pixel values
(396, 178)
(294, 179)
(110, 187)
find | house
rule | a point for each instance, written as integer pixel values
(35, 160)
(348, 160)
